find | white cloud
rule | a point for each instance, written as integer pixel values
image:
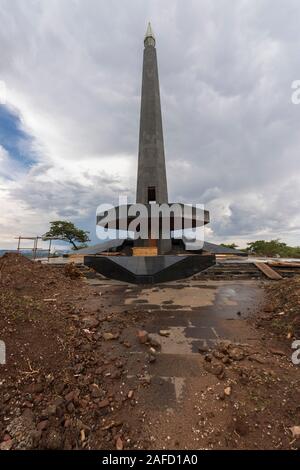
(73, 72)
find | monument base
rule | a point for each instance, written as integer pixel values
(149, 269)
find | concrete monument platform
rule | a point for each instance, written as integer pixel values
(149, 269)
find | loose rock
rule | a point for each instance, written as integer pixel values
(142, 336)
(295, 430)
(119, 444)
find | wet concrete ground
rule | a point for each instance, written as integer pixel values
(195, 314)
(189, 399)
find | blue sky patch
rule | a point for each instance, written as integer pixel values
(15, 141)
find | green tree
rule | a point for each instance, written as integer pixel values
(273, 248)
(67, 231)
(266, 248)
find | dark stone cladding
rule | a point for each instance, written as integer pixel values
(151, 159)
(149, 269)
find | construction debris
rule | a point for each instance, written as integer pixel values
(268, 271)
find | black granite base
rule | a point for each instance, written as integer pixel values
(149, 269)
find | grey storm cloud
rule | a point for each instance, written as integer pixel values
(73, 71)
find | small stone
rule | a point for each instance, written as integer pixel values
(142, 336)
(119, 444)
(110, 336)
(130, 394)
(216, 369)
(6, 445)
(42, 425)
(295, 430)
(90, 322)
(218, 354)
(236, 354)
(154, 341)
(165, 333)
(227, 391)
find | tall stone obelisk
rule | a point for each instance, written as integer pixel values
(151, 179)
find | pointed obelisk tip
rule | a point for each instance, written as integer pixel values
(149, 36)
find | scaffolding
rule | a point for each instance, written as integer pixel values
(34, 249)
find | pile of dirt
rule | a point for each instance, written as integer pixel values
(62, 385)
(282, 310)
(21, 275)
(32, 322)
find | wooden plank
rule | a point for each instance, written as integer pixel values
(284, 264)
(268, 271)
(144, 251)
(75, 259)
(110, 253)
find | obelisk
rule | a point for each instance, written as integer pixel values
(151, 179)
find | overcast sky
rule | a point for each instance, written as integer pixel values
(70, 115)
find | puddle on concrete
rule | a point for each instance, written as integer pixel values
(202, 318)
(242, 298)
(228, 296)
(188, 297)
(185, 339)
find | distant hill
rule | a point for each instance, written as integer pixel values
(40, 254)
